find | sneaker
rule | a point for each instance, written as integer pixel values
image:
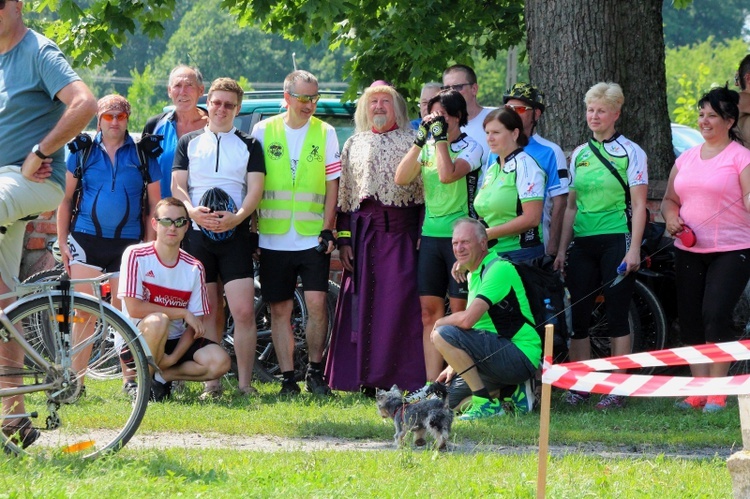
(574, 398)
(289, 388)
(692, 402)
(715, 403)
(610, 402)
(420, 394)
(315, 383)
(21, 432)
(523, 398)
(482, 408)
(160, 391)
(130, 388)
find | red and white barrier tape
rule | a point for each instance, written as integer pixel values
(582, 376)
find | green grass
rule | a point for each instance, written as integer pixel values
(642, 424)
(649, 426)
(404, 473)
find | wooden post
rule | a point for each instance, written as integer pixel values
(541, 476)
(744, 405)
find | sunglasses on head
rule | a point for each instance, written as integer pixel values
(304, 99)
(177, 222)
(111, 117)
(519, 108)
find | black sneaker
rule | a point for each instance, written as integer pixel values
(160, 391)
(315, 383)
(289, 388)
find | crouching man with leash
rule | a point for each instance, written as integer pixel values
(491, 348)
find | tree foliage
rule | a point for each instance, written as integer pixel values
(90, 34)
(402, 41)
(693, 70)
(690, 22)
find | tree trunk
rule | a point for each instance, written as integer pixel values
(573, 44)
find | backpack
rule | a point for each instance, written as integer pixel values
(547, 298)
(82, 146)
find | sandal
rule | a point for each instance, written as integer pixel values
(211, 393)
(20, 432)
(248, 390)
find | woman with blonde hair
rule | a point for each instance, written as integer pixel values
(605, 219)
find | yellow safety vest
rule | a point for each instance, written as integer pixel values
(301, 199)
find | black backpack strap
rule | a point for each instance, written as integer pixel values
(143, 158)
(82, 159)
(617, 176)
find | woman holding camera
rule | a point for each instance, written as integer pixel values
(706, 205)
(449, 163)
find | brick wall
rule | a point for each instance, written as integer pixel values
(35, 255)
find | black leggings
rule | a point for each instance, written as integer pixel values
(708, 287)
(593, 261)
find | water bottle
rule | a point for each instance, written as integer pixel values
(568, 312)
(550, 316)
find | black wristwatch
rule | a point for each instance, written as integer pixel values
(38, 152)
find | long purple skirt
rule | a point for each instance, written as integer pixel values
(377, 332)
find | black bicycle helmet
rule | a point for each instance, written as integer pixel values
(527, 93)
(218, 200)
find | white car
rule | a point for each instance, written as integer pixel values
(684, 137)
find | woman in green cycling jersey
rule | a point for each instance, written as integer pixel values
(449, 162)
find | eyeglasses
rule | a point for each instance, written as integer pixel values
(457, 87)
(304, 99)
(109, 118)
(229, 106)
(3, 2)
(519, 108)
(177, 222)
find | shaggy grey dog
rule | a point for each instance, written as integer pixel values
(431, 415)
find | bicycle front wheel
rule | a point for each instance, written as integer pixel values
(82, 416)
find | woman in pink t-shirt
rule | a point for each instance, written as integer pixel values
(709, 194)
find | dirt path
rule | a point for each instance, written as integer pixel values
(281, 444)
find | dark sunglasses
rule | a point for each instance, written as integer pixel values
(304, 99)
(166, 221)
(457, 87)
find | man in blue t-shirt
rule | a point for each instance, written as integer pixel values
(43, 105)
(529, 103)
(184, 88)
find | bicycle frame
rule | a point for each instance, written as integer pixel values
(25, 292)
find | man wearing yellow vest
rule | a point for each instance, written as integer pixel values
(296, 217)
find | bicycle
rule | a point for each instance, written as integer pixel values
(266, 367)
(54, 393)
(101, 350)
(647, 318)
